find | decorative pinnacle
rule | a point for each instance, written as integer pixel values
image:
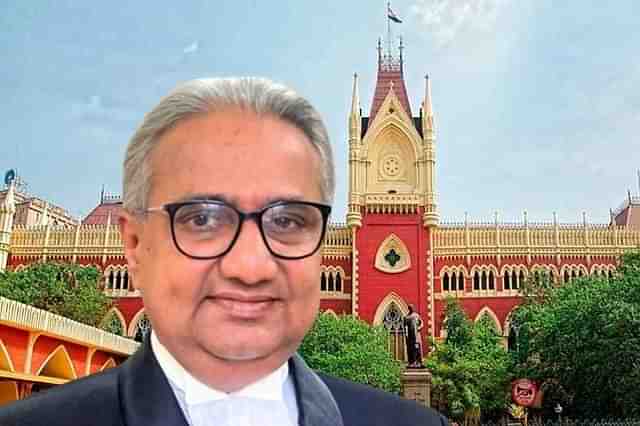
(428, 108)
(355, 99)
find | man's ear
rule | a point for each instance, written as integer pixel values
(131, 230)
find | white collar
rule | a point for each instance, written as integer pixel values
(270, 387)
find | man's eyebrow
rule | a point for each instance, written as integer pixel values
(233, 201)
(203, 197)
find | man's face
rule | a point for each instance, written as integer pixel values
(246, 304)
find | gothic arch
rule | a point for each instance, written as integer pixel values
(513, 267)
(335, 275)
(391, 298)
(134, 322)
(571, 271)
(58, 364)
(457, 269)
(400, 118)
(5, 359)
(484, 276)
(392, 162)
(330, 312)
(140, 322)
(115, 311)
(506, 328)
(486, 310)
(110, 363)
(601, 269)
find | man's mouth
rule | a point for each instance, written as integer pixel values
(244, 306)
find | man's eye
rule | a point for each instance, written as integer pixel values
(286, 222)
(201, 220)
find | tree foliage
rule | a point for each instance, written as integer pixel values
(352, 349)
(583, 338)
(64, 289)
(471, 368)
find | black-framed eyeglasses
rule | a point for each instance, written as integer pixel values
(206, 229)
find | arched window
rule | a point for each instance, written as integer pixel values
(566, 277)
(492, 284)
(445, 282)
(507, 280)
(118, 280)
(338, 281)
(111, 281)
(476, 281)
(125, 280)
(520, 279)
(392, 321)
(484, 280)
(323, 281)
(142, 328)
(460, 281)
(610, 273)
(330, 284)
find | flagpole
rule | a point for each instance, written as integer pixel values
(388, 30)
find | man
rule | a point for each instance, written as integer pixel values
(227, 187)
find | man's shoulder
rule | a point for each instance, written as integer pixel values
(91, 400)
(361, 404)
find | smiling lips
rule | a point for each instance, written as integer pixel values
(246, 307)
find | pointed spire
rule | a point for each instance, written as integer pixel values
(427, 112)
(355, 98)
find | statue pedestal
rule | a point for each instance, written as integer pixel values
(416, 385)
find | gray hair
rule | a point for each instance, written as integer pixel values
(202, 96)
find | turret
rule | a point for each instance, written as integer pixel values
(354, 217)
(430, 216)
(355, 116)
(427, 110)
(7, 212)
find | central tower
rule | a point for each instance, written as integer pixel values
(392, 207)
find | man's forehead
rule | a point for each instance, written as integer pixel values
(236, 199)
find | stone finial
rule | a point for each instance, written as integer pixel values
(355, 98)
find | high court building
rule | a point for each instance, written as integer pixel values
(393, 249)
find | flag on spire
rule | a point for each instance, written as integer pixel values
(392, 15)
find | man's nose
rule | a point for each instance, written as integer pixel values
(249, 260)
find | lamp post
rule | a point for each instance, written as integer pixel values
(558, 410)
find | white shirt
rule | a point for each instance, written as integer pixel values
(271, 401)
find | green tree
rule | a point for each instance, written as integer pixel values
(352, 349)
(584, 337)
(64, 289)
(471, 368)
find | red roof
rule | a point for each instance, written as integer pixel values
(386, 75)
(629, 215)
(100, 214)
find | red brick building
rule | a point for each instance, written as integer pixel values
(393, 250)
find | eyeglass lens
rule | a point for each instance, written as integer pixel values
(208, 229)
